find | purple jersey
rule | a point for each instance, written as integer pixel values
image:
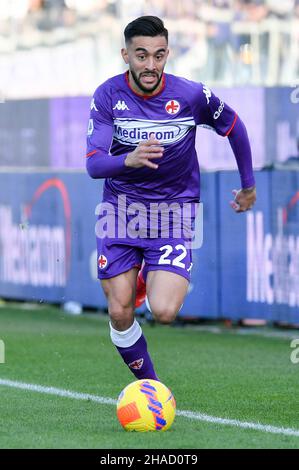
(121, 118)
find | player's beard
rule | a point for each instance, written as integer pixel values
(143, 88)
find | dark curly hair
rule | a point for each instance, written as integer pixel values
(145, 26)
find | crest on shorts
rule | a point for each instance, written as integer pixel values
(102, 262)
(136, 365)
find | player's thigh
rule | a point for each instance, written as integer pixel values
(118, 264)
(115, 258)
(166, 291)
(169, 255)
(122, 287)
(120, 292)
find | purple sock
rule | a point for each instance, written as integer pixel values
(138, 359)
(132, 347)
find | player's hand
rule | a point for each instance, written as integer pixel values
(244, 199)
(144, 153)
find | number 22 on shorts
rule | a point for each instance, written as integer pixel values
(177, 261)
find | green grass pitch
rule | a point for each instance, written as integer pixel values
(244, 378)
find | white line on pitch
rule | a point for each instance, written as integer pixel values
(184, 413)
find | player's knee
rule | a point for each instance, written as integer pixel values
(164, 314)
(121, 315)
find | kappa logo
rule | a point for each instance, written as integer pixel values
(190, 267)
(172, 107)
(93, 105)
(102, 262)
(136, 365)
(207, 93)
(90, 127)
(121, 106)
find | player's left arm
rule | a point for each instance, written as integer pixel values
(210, 111)
(244, 198)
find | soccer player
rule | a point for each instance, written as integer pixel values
(141, 139)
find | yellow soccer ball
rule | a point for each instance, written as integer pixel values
(146, 405)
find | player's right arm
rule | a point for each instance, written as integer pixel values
(99, 162)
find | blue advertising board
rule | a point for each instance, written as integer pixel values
(202, 299)
(47, 242)
(47, 238)
(247, 267)
(284, 244)
(242, 262)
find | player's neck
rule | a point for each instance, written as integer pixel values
(134, 87)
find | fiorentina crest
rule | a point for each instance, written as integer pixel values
(136, 364)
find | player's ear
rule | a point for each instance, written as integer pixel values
(124, 53)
